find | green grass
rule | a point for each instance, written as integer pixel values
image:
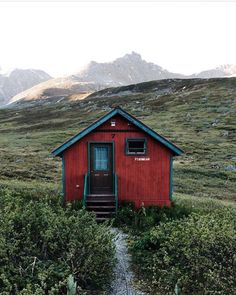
(202, 204)
(197, 115)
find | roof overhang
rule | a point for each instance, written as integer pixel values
(117, 111)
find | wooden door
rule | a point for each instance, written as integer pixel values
(101, 168)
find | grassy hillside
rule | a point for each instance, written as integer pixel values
(198, 115)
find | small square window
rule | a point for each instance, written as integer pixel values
(136, 146)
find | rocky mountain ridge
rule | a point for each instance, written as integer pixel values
(223, 71)
(126, 70)
(19, 80)
(129, 69)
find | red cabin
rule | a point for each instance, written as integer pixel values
(117, 158)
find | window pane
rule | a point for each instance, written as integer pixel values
(136, 146)
(101, 158)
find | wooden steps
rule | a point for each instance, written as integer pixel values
(100, 207)
(104, 206)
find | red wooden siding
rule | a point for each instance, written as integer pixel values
(145, 182)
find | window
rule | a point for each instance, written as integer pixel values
(136, 146)
(101, 158)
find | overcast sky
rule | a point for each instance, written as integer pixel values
(62, 37)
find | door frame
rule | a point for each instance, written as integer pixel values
(113, 158)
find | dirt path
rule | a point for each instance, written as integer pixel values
(123, 283)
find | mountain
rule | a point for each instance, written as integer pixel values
(129, 69)
(19, 80)
(126, 70)
(55, 90)
(219, 72)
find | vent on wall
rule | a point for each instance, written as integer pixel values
(113, 123)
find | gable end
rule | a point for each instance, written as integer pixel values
(176, 150)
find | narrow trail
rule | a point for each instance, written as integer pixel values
(123, 282)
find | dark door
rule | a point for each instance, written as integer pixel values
(101, 168)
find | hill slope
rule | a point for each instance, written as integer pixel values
(198, 115)
(17, 81)
(55, 90)
(126, 70)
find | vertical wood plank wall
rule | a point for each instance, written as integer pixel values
(145, 182)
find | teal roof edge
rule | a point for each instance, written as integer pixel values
(59, 150)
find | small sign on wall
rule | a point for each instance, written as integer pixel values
(142, 159)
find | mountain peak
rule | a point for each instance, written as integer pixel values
(131, 68)
(17, 80)
(228, 68)
(125, 70)
(133, 56)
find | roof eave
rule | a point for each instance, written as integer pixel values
(176, 150)
(59, 150)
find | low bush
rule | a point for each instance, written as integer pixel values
(42, 244)
(144, 218)
(19, 194)
(197, 254)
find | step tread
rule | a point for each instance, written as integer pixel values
(102, 218)
(102, 212)
(101, 195)
(100, 207)
(100, 201)
(101, 198)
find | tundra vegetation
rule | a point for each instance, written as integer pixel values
(42, 245)
(190, 247)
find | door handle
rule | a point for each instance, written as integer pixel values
(105, 174)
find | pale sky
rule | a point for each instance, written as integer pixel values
(61, 37)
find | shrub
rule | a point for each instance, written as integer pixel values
(198, 253)
(144, 218)
(125, 214)
(41, 244)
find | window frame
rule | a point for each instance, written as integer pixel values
(127, 153)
